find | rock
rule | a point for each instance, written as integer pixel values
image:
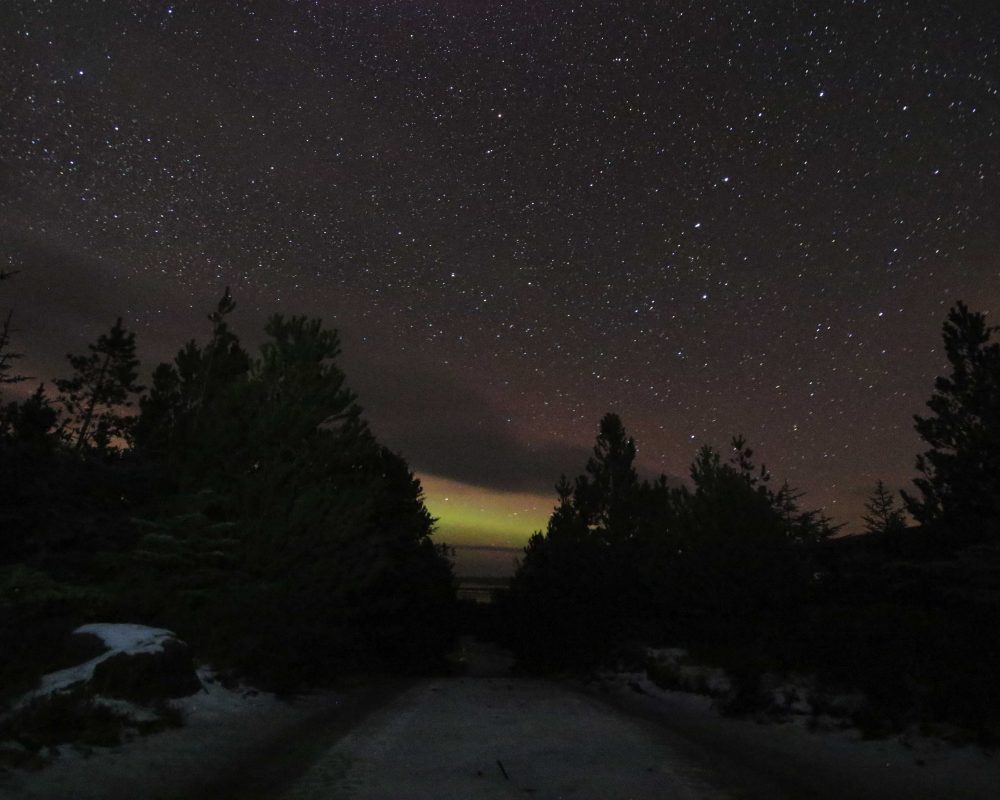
(143, 677)
(80, 647)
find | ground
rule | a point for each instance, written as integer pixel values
(488, 735)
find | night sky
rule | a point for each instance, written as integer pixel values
(708, 217)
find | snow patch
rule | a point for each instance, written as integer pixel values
(908, 765)
(127, 709)
(128, 638)
(222, 729)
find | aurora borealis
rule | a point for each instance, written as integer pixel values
(708, 217)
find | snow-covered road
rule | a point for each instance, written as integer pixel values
(484, 736)
(499, 738)
(487, 735)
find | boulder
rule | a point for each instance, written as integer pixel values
(146, 676)
(80, 648)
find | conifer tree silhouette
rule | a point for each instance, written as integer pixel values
(959, 483)
(883, 516)
(101, 386)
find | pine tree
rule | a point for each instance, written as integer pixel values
(563, 595)
(735, 499)
(292, 423)
(334, 536)
(8, 356)
(29, 422)
(959, 484)
(883, 517)
(173, 411)
(605, 498)
(99, 390)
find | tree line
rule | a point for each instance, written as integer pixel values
(737, 571)
(241, 500)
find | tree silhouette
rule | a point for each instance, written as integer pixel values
(883, 516)
(735, 498)
(101, 386)
(328, 553)
(8, 356)
(29, 422)
(574, 593)
(172, 413)
(959, 484)
(627, 559)
(611, 493)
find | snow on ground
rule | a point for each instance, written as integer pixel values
(223, 728)
(547, 735)
(491, 738)
(837, 759)
(504, 737)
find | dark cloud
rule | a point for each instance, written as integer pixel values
(449, 428)
(57, 296)
(62, 300)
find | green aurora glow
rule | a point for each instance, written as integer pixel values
(473, 515)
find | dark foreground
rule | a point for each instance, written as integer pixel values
(487, 735)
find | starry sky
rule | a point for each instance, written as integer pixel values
(708, 217)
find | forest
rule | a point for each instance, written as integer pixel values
(739, 573)
(242, 500)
